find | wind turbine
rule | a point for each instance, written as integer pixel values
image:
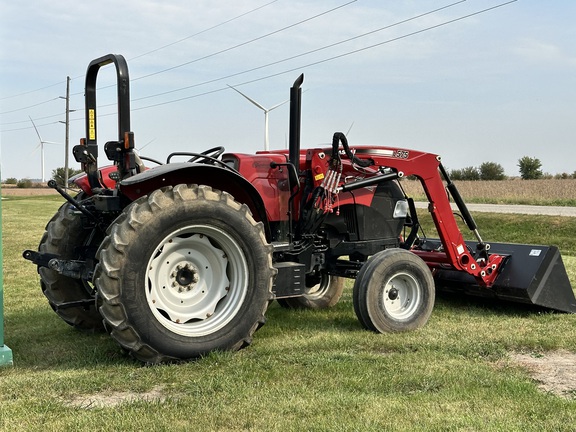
(266, 111)
(41, 145)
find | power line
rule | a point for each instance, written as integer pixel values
(218, 52)
(37, 118)
(29, 106)
(30, 91)
(301, 54)
(282, 60)
(235, 46)
(150, 52)
(204, 31)
(28, 128)
(308, 64)
(334, 57)
(246, 42)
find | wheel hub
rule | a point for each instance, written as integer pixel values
(401, 296)
(184, 277)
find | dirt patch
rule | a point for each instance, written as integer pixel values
(113, 399)
(554, 371)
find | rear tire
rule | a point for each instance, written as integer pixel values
(183, 272)
(64, 237)
(394, 292)
(323, 295)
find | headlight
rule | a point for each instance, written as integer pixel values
(401, 209)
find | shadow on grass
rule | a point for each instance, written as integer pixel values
(339, 318)
(45, 342)
(484, 305)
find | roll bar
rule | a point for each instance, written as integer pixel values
(87, 151)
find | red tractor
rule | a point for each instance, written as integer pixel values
(183, 258)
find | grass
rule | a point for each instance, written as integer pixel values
(306, 370)
(513, 228)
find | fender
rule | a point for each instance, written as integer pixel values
(196, 173)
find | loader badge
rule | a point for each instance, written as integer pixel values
(401, 154)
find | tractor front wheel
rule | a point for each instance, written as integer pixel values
(183, 272)
(394, 292)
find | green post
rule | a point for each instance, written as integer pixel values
(5, 352)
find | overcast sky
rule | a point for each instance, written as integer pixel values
(494, 86)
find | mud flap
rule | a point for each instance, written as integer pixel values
(531, 274)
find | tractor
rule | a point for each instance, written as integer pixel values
(181, 258)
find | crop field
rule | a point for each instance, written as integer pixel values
(532, 192)
(476, 366)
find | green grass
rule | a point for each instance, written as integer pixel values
(306, 370)
(561, 202)
(513, 228)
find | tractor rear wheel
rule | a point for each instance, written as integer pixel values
(183, 272)
(66, 238)
(322, 295)
(394, 292)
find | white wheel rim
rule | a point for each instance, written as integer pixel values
(196, 280)
(401, 296)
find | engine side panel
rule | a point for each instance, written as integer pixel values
(368, 214)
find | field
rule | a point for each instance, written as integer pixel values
(556, 192)
(475, 366)
(533, 192)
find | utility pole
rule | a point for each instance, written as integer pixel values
(67, 139)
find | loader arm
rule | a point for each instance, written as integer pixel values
(428, 169)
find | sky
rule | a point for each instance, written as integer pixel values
(440, 76)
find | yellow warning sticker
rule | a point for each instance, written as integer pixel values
(91, 124)
(318, 177)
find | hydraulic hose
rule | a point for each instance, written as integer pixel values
(338, 138)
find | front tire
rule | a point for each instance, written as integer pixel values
(183, 272)
(394, 292)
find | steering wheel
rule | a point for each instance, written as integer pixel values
(213, 153)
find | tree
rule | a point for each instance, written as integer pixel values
(530, 168)
(59, 174)
(468, 173)
(492, 171)
(456, 174)
(24, 184)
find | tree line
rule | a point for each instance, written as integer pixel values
(58, 174)
(530, 169)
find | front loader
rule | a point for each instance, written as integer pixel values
(183, 257)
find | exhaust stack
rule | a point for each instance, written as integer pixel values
(295, 121)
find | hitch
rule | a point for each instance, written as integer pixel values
(74, 269)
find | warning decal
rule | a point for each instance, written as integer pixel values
(91, 124)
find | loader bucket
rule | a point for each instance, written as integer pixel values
(531, 274)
